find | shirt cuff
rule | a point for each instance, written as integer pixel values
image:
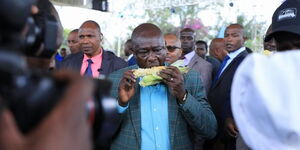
(121, 109)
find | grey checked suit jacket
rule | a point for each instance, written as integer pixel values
(195, 116)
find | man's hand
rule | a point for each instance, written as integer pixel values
(230, 127)
(174, 79)
(126, 88)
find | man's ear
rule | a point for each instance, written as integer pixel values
(216, 52)
(101, 37)
(180, 52)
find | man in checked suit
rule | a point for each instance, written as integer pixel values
(165, 115)
(93, 60)
(219, 94)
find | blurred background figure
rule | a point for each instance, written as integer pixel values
(66, 126)
(269, 86)
(60, 56)
(201, 50)
(73, 42)
(173, 45)
(217, 49)
(269, 42)
(131, 60)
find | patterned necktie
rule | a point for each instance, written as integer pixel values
(88, 72)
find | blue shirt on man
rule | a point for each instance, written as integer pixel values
(154, 117)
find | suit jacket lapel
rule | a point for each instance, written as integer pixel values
(229, 66)
(193, 61)
(106, 62)
(172, 115)
(135, 111)
(78, 63)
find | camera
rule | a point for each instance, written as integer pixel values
(32, 94)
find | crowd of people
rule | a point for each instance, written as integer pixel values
(229, 99)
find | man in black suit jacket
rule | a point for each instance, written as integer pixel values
(93, 57)
(219, 94)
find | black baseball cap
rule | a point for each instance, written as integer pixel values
(286, 18)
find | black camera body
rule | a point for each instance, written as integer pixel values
(32, 94)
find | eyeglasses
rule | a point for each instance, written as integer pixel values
(172, 48)
(146, 52)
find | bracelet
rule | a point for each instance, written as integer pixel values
(184, 97)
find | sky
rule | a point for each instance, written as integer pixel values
(114, 24)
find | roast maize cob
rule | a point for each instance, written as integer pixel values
(150, 77)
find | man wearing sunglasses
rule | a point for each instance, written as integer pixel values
(174, 48)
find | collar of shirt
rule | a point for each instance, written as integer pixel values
(97, 61)
(188, 57)
(129, 57)
(235, 53)
(232, 55)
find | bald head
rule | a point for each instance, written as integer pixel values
(217, 41)
(217, 48)
(145, 31)
(91, 24)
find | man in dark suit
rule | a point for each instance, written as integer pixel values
(93, 60)
(219, 95)
(161, 116)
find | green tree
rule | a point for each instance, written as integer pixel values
(186, 16)
(254, 31)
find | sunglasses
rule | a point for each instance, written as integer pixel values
(172, 48)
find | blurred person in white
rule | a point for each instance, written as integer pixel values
(265, 91)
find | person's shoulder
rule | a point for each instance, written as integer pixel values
(112, 55)
(249, 50)
(200, 59)
(242, 55)
(212, 59)
(74, 56)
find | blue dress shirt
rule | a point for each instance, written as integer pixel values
(154, 117)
